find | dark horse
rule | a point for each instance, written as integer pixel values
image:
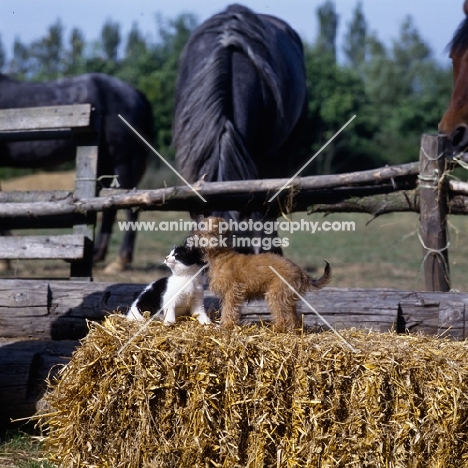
(241, 100)
(454, 123)
(120, 152)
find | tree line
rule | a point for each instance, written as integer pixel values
(398, 91)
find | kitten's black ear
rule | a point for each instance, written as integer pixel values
(190, 244)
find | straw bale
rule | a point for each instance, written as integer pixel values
(200, 396)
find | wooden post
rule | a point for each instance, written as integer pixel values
(433, 212)
(85, 186)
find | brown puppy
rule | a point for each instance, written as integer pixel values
(236, 277)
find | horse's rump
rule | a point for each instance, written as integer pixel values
(240, 95)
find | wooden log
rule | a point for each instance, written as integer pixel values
(251, 194)
(433, 212)
(34, 196)
(376, 205)
(59, 208)
(24, 367)
(457, 186)
(51, 117)
(63, 307)
(67, 247)
(458, 204)
(322, 182)
(15, 215)
(405, 200)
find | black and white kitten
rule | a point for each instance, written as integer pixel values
(176, 295)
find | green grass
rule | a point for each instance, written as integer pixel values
(21, 450)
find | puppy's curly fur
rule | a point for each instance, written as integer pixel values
(236, 277)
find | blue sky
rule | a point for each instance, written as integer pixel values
(436, 20)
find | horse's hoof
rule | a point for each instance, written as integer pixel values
(117, 266)
(5, 265)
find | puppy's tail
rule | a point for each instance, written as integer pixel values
(324, 279)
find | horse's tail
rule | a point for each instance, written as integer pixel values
(206, 140)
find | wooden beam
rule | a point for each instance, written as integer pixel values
(24, 367)
(376, 205)
(457, 186)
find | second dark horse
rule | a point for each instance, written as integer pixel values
(121, 153)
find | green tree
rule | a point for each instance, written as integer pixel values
(110, 40)
(336, 93)
(75, 61)
(19, 65)
(47, 54)
(159, 83)
(328, 24)
(136, 43)
(407, 89)
(355, 39)
(103, 53)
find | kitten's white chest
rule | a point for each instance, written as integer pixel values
(180, 292)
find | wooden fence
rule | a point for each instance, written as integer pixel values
(54, 314)
(79, 124)
(421, 187)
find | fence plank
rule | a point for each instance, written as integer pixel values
(67, 246)
(52, 117)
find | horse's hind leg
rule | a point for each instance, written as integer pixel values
(128, 242)
(105, 232)
(128, 177)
